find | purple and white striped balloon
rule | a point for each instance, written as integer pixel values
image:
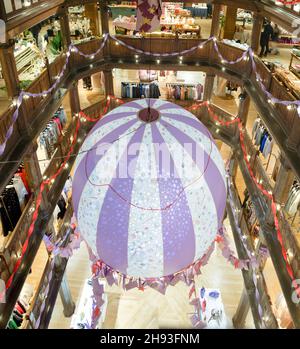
(149, 189)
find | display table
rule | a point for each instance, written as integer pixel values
(83, 314)
(289, 79)
(128, 23)
(212, 309)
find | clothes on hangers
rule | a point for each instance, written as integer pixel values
(49, 138)
(12, 202)
(184, 91)
(139, 90)
(262, 138)
(293, 202)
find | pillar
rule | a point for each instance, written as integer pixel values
(104, 17)
(293, 141)
(233, 168)
(9, 69)
(244, 106)
(284, 182)
(74, 99)
(215, 26)
(3, 15)
(209, 87)
(91, 12)
(65, 29)
(239, 318)
(109, 83)
(66, 297)
(34, 175)
(230, 22)
(258, 22)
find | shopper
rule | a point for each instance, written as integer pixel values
(265, 39)
(209, 8)
(270, 31)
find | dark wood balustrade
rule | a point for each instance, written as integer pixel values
(204, 56)
(12, 8)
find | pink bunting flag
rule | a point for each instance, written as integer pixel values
(148, 15)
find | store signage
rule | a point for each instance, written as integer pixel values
(2, 32)
(2, 292)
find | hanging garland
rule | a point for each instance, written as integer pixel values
(72, 48)
(293, 2)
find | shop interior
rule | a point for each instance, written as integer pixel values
(41, 45)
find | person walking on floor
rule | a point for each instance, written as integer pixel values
(265, 39)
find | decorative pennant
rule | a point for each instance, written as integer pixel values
(148, 15)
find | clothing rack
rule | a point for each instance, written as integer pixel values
(13, 200)
(183, 91)
(262, 138)
(50, 135)
(293, 202)
(140, 89)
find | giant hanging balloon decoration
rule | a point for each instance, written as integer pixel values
(167, 203)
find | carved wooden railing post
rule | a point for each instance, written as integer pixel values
(9, 69)
(109, 82)
(215, 26)
(34, 175)
(244, 106)
(74, 99)
(65, 28)
(284, 181)
(208, 87)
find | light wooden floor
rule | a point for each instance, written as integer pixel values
(150, 309)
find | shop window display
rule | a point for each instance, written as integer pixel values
(80, 24)
(34, 47)
(175, 21)
(169, 85)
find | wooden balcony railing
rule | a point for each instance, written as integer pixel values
(11, 8)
